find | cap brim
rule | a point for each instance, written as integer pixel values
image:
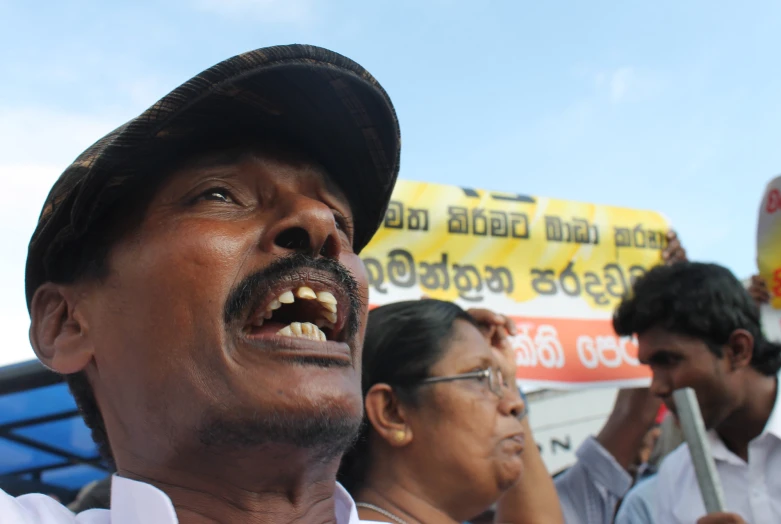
(322, 101)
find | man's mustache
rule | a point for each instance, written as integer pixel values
(247, 294)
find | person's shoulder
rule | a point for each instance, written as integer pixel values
(644, 484)
(35, 508)
(94, 516)
(676, 463)
(638, 505)
(675, 479)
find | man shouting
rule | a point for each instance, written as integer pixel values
(195, 275)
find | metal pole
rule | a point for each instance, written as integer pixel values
(693, 428)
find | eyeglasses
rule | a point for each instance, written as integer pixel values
(493, 376)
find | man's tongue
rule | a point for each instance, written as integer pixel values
(269, 328)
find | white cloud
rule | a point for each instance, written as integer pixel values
(16, 343)
(620, 82)
(33, 135)
(145, 91)
(25, 188)
(568, 125)
(35, 146)
(629, 84)
(289, 11)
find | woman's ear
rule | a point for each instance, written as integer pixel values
(58, 331)
(387, 416)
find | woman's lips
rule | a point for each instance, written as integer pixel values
(517, 441)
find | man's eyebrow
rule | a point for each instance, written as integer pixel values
(218, 159)
(330, 185)
(662, 356)
(229, 157)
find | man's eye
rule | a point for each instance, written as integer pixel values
(667, 361)
(217, 194)
(342, 223)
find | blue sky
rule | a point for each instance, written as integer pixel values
(673, 106)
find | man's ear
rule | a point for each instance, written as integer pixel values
(58, 332)
(740, 349)
(387, 416)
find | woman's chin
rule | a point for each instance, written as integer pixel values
(510, 471)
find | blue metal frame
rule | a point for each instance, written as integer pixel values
(44, 444)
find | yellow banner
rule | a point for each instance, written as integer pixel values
(558, 267)
(769, 240)
(769, 257)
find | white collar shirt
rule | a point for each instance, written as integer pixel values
(132, 502)
(751, 489)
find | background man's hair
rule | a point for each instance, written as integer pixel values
(703, 301)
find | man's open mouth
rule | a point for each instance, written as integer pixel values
(311, 311)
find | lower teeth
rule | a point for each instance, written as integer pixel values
(302, 330)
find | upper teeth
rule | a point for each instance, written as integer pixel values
(326, 298)
(328, 314)
(307, 293)
(329, 307)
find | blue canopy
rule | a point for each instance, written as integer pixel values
(44, 444)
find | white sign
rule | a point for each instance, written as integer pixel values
(562, 421)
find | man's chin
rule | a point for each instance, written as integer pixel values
(325, 433)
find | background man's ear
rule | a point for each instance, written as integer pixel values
(58, 331)
(740, 349)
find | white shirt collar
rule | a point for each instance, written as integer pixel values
(134, 502)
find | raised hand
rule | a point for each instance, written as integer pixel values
(674, 252)
(721, 518)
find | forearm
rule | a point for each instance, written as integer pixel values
(590, 490)
(622, 436)
(533, 499)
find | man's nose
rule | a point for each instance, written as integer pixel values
(660, 386)
(303, 225)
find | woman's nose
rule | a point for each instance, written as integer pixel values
(511, 403)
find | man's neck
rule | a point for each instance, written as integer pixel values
(279, 487)
(748, 421)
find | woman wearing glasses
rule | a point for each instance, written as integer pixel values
(445, 433)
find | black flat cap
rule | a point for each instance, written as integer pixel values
(323, 102)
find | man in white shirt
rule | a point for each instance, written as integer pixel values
(698, 327)
(195, 275)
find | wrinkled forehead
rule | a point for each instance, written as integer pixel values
(219, 155)
(467, 346)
